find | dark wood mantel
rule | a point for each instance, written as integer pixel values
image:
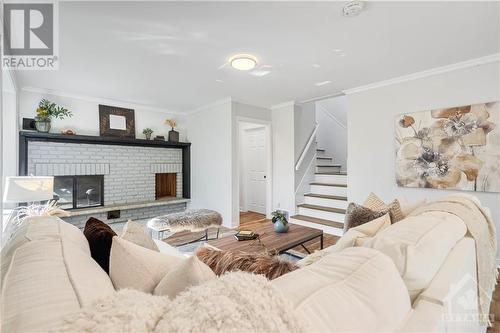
(26, 136)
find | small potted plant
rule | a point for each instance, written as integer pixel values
(46, 111)
(173, 135)
(280, 221)
(147, 132)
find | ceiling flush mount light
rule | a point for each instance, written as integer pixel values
(352, 8)
(243, 62)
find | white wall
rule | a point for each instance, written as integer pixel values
(10, 137)
(85, 118)
(331, 115)
(210, 134)
(283, 157)
(371, 150)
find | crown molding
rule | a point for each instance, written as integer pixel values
(282, 105)
(99, 100)
(221, 101)
(430, 72)
(319, 98)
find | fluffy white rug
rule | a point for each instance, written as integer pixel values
(236, 302)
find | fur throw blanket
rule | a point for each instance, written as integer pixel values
(223, 261)
(192, 220)
(236, 302)
(481, 228)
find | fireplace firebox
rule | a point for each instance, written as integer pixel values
(165, 185)
(74, 192)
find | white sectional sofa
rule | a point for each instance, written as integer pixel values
(47, 273)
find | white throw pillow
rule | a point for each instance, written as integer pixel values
(190, 272)
(136, 233)
(418, 246)
(133, 266)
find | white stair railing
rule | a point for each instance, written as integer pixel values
(306, 148)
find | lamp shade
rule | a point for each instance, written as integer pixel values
(29, 188)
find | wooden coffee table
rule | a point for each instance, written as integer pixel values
(270, 241)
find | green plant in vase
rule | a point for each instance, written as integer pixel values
(46, 111)
(147, 132)
(280, 221)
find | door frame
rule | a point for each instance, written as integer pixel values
(267, 124)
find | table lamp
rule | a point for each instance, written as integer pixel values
(28, 189)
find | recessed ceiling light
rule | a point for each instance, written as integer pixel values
(322, 83)
(243, 62)
(218, 80)
(316, 65)
(353, 8)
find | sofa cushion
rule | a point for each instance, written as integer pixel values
(133, 266)
(358, 289)
(37, 228)
(136, 233)
(100, 236)
(190, 272)
(47, 279)
(418, 246)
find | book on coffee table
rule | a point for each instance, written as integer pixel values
(246, 235)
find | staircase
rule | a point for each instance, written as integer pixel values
(324, 206)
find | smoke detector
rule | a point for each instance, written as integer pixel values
(353, 8)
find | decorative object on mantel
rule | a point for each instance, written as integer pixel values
(159, 138)
(173, 135)
(46, 111)
(280, 220)
(68, 131)
(29, 124)
(147, 132)
(450, 148)
(116, 122)
(31, 190)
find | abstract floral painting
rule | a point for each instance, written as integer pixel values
(451, 148)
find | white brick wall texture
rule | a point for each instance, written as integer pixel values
(129, 171)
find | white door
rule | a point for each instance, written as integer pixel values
(256, 162)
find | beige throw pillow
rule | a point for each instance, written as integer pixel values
(190, 272)
(136, 233)
(373, 202)
(133, 266)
